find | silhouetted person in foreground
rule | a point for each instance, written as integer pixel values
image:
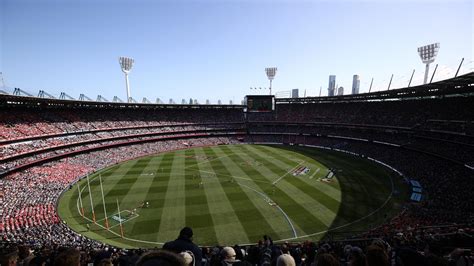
(184, 242)
(161, 257)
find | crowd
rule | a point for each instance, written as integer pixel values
(19, 147)
(420, 128)
(447, 185)
(420, 248)
(28, 197)
(406, 113)
(21, 123)
(459, 149)
(25, 152)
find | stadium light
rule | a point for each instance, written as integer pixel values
(271, 72)
(428, 54)
(126, 64)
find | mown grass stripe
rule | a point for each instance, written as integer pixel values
(125, 195)
(274, 217)
(288, 154)
(156, 197)
(106, 173)
(300, 216)
(173, 214)
(248, 204)
(198, 214)
(109, 189)
(227, 225)
(140, 194)
(354, 182)
(325, 213)
(129, 178)
(323, 188)
(356, 178)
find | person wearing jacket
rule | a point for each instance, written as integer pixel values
(184, 242)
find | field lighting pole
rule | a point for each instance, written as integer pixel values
(271, 72)
(428, 54)
(126, 64)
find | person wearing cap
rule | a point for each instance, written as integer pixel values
(184, 242)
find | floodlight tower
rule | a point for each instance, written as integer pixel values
(126, 64)
(271, 72)
(428, 54)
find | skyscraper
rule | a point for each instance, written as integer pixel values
(332, 85)
(355, 84)
(294, 93)
(340, 91)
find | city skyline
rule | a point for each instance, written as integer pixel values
(218, 50)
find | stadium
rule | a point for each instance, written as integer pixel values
(309, 169)
(380, 176)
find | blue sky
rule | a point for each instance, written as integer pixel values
(210, 49)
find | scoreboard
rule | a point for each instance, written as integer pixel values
(260, 103)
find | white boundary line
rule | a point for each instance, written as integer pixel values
(315, 172)
(136, 216)
(237, 177)
(358, 220)
(256, 191)
(206, 161)
(117, 234)
(280, 209)
(116, 214)
(289, 171)
(280, 240)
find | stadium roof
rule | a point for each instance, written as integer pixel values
(7, 100)
(460, 86)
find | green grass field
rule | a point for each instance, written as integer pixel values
(234, 194)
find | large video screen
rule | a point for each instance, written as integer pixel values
(260, 103)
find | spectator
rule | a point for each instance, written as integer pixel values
(376, 256)
(356, 257)
(228, 256)
(188, 258)
(9, 257)
(160, 258)
(69, 257)
(184, 242)
(285, 260)
(326, 259)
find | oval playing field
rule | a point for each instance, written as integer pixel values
(233, 194)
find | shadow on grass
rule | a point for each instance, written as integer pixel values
(365, 187)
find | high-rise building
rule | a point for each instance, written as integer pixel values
(355, 84)
(340, 91)
(332, 85)
(294, 93)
